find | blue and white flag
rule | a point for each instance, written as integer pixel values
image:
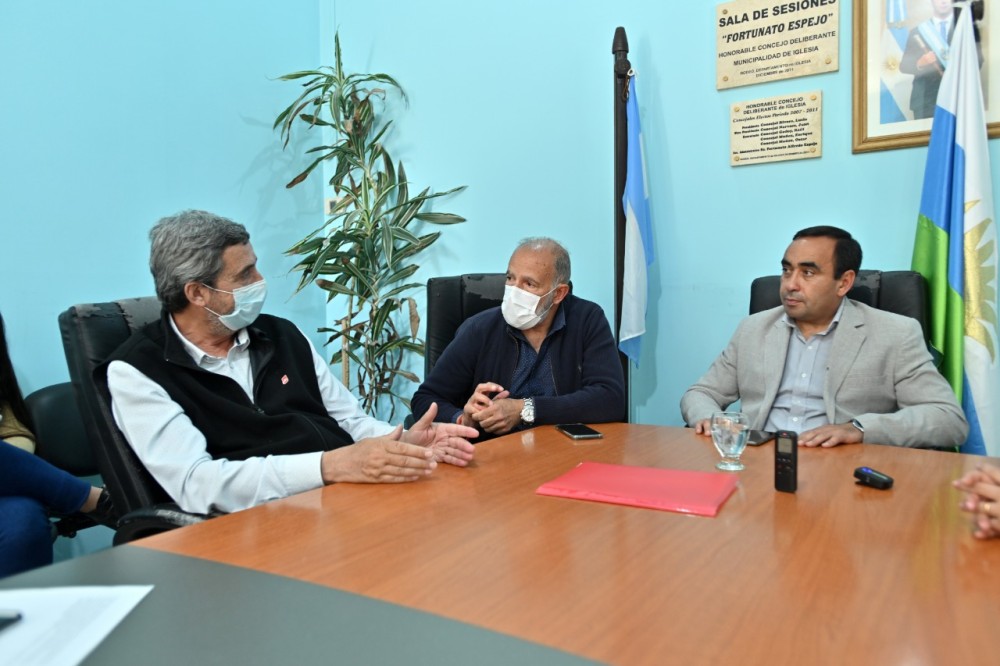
(895, 13)
(956, 243)
(638, 236)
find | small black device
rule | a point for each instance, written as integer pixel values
(578, 431)
(786, 461)
(758, 437)
(867, 476)
(8, 617)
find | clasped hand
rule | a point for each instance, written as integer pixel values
(831, 435)
(982, 499)
(491, 409)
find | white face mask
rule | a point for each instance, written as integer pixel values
(247, 304)
(519, 307)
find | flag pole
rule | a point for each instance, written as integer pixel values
(619, 48)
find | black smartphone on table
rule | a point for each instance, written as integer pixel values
(578, 431)
(758, 437)
(9, 617)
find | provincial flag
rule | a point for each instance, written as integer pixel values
(956, 243)
(638, 236)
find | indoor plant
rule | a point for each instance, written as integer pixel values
(364, 251)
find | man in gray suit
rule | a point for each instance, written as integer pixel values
(834, 370)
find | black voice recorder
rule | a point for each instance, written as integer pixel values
(786, 461)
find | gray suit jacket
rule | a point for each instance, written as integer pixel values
(879, 371)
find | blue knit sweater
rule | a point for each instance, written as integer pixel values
(586, 370)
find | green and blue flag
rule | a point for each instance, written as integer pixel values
(956, 243)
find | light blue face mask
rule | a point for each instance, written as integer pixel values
(247, 304)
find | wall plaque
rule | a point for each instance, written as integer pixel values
(768, 40)
(775, 129)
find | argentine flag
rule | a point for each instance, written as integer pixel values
(956, 243)
(638, 236)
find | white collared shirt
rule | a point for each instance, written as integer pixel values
(175, 451)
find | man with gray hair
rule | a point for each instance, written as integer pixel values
(228, 408)
(543, 357)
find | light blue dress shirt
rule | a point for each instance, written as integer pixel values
(798, 405)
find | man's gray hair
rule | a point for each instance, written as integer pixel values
(537, 243)
(188, 247)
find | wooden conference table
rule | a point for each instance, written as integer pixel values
(835, 574)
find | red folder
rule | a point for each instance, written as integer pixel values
(683, 491)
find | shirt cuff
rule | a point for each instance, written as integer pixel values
(299, 472)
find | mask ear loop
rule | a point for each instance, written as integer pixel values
(219, 290)
(207, 286)
(542, 315)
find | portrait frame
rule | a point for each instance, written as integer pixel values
(880, 90)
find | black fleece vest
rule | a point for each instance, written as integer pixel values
(286, 415)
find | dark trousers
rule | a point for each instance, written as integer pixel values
(29, 486)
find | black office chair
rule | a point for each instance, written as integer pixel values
(902, 292)
(60, 439)
(90, 333)
(450, 301)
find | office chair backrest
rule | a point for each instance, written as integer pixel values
(91, 333)
(902, 292)
(60, 436)
(61, 439)
(452, 300)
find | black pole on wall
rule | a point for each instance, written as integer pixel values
(619, 48)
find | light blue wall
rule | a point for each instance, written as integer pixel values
(513, 100)
(116, 113)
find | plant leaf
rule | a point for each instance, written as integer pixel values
(396, 291)
(440, 218)
(332, 286)
(414, 317)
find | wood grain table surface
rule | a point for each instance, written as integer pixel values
(833, 574)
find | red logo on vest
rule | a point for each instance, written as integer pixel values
(284, 379)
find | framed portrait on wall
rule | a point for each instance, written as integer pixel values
(900, 54)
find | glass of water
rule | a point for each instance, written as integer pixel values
(729, 433)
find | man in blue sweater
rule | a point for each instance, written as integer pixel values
(543, 357)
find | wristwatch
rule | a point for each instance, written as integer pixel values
(857, 424)
(528, 412)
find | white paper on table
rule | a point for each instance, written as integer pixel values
(62, 625)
